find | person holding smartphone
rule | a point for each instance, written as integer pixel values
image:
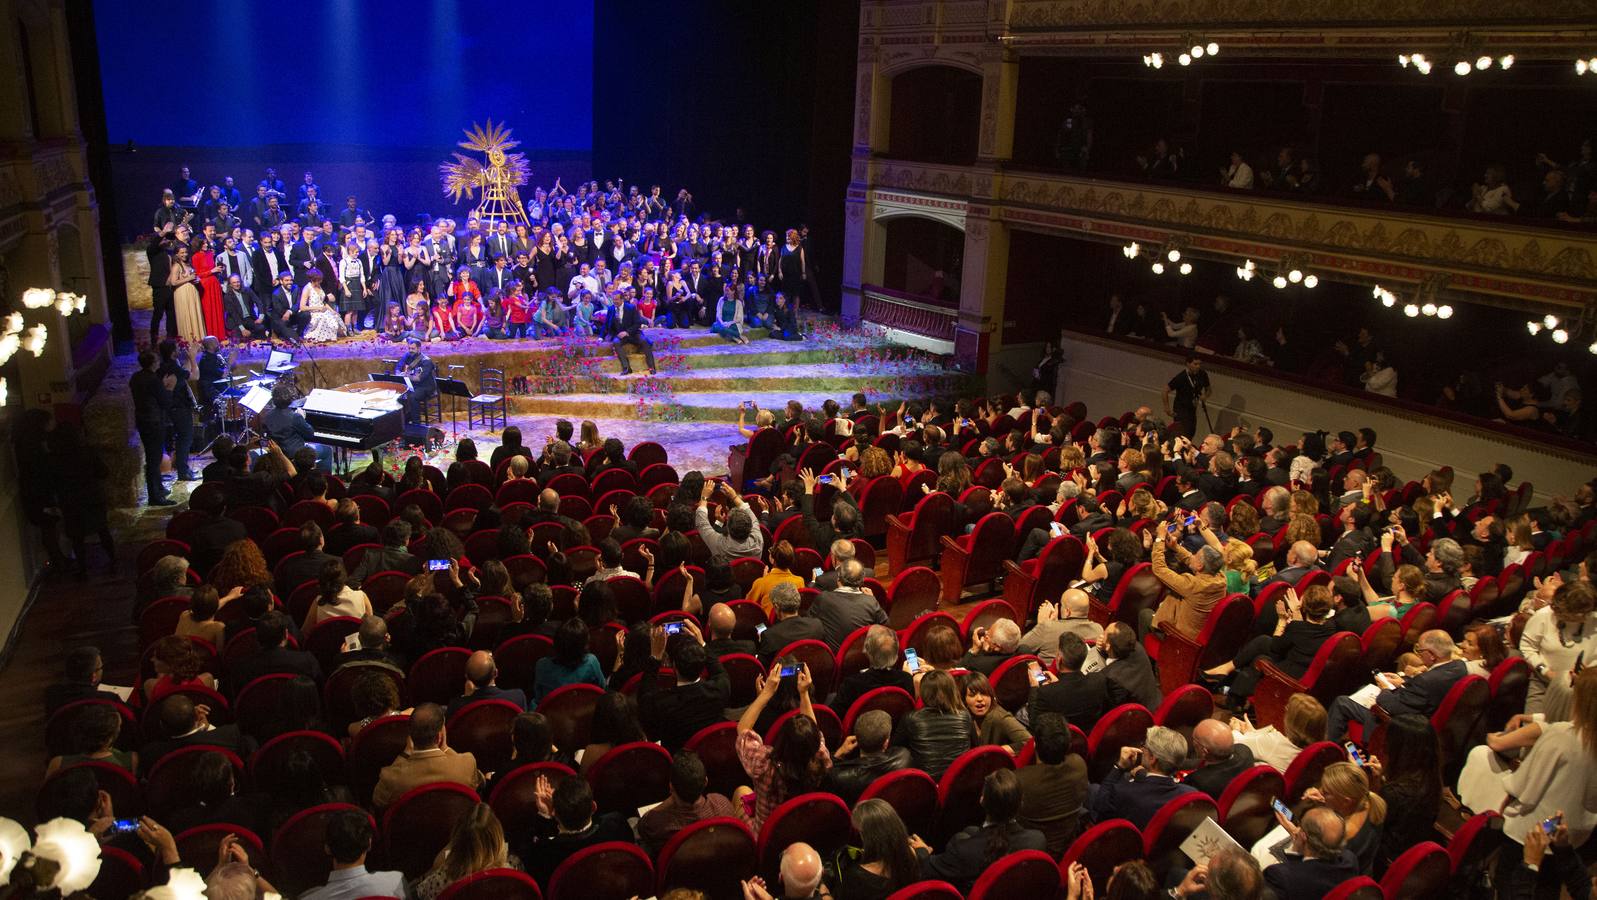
(1192, 595)
(795, 763)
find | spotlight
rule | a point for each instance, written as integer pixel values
(1533, 327)
(1186, 268)
(1483, 63)
(1244, 273)
(1295, 276)
(1428, 309)
(1147, 60)
(1402, 59)
(4, 391)
(1444, 311)
(1157, 59)
(1424, 66)
(1505, 62)
(1131, 250)
(1158, 268)
(1550, 320)
(1279, 281)
(1174, 255)
(1377, 292)
(1196, 51)
(1311, 281)
(1185, 59)
(1592, 349)
(1461, 67)
(35, 340)
(1388, 299)
(1411, 310)
(1214, 49)
(9, 345)
(1560, 336)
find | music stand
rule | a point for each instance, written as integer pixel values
(455, 389)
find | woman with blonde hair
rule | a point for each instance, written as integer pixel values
(1071, 458)
(476, 845)
(1520, 542)
(590, 440)
(1302, 503)
(1302, 724)
(1345, 789)
(1408, 590)
(1240, 567)
(874, 463)
(1141, 505)
(763, 418)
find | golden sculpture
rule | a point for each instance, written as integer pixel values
(498, 179)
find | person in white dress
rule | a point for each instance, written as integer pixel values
(325, 323)
(1302, 724)
(1557, 638)
(335, 598)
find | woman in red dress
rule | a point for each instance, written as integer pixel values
(210, 291)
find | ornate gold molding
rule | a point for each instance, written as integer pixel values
(1540, 266)
(1045, 14)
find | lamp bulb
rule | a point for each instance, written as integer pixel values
(1295, 276)
(1533, 327)
(1214, 49)
(1506, 61)
(1174, 255)
(1444, 311)
(1388, 299)
(1560, 336)
(1279, 281)
(1185, 59)
(1428, 309)
(1411, 310)
(1311, 281)
(1483, 63)
(1186, 268)
(1158, 268)
(1461, 67)
(1550, 320)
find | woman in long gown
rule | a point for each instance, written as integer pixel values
(186, 297)
(205, 267)
(324, 324)
(390, 284)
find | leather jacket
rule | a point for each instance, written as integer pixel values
(935, 738)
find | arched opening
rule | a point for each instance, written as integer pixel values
(923, 257)
(935, 115)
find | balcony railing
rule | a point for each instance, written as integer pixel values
(908, 312)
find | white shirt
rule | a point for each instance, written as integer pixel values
(1239, 176)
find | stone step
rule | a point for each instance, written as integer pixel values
(836, 379)
(703, 407)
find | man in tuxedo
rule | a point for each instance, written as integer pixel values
(626, 327)
(284, 316)
(692, 308)
(423, 374)
(266, 261)
(242, 316)
(497, 278)
(159, 254)
(1420, 695)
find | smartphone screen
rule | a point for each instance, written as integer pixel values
(1354, 754)
(911, 660)
(844, 472)
(1281, 808)
(438, 565)
(1549, 824)
(130, 825)
(673, 628)
(1039, 676)
(824, 479)
(789, 671)
(1191, 521)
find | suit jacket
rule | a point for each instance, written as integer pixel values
(1299, 877)
(1192, 502)
(236, 263)
(211, 538)
(1131, 680)
(841, 613)
(425, 377)
(849, 776)
(1081, 699)
(240, 307)
(301, 257)
(269, 662)
(857, 684)
(965, 857)
(1213, 778)
(627, 319)
(1191, 596)
(227, 736)
(341, 538)
(291, 573)
(490, 692)
(675, 714)
(384, 559)
(798, 628)
(1352, 543)
(261, 270)
(1423, 693)
(282, 301)
(1120, 796)
(415, 768)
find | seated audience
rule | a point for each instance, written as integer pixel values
(940, 730)
(349, 839)
(690, 801)
(481, 684)
(1053, 789)
(974, 849)
(1143, 779)
(427, 759)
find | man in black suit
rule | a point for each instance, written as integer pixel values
(1080, 698)
(849, 607)
(81, 671)
(560, 462)
(991, 646)
(1356, 539)
(159, 254)
(181, 412)
(284, 316)
(865, 756)
(882, 654)
(1192, 499)
(307, 566)
(699, 697)
(845, 520)
(186, 725)
(268, 260)
(302, 257)
(1128, 669)
(1319, 859)
(423, 375)
(625, 326)
(271, 631)
(152, 404)
(1219, 758)
(243, 318)
(348, 530)
(481, 677)
(212, 368)
(213, 534)
(392, 556)
(569, 825)
(1143, 779)
(790, 626)
(373, 646)
(1301, 559)
(722, 622)
(1420, 695)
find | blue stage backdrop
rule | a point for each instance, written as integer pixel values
(370, 95)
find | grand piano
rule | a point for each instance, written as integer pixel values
(360, 416)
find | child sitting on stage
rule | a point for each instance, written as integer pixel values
(396, 324)
(493, 324)
(518, 311)
(441, 324)
(581, 314)
(551, 319)
(469, 314)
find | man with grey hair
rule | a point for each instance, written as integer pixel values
(1228, 874)
(882, 655)
(865, 756)
(990, 646)
(842, 550)
(1441, 564)
(1319, 859)
(790, 625)
(1301, 559)
(1191, 596)
(1420, 695)
(741, 539)
(849, 608)
(170, 578)
(1072, 613)
(235, 878)
(1143, 779)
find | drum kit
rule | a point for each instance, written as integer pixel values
(240, 399)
